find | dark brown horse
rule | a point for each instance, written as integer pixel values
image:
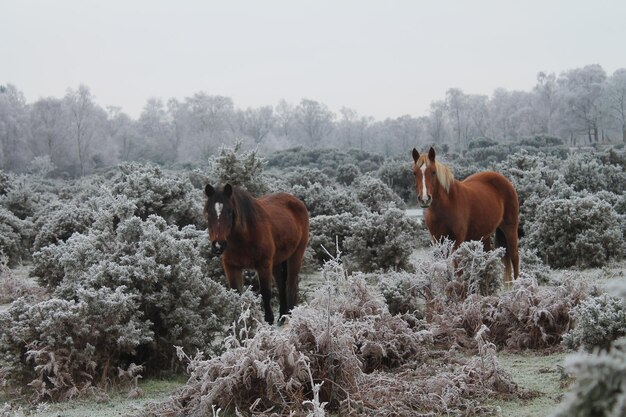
(472, 209)
(268, 235)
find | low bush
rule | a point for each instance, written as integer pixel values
(124, 292)
(582, 231)
(598, 322)
(380, 241)
(15, 235)
(375, 195)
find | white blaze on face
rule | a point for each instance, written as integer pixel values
(424, 192)
(218, 209)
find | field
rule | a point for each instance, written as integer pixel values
(539, 372)
(112, 301)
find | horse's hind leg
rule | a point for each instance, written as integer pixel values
(294, 264)
(507, 237)
(265, 287)
(280, 276)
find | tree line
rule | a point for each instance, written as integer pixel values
(73, 135)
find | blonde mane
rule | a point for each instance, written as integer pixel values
(444, 174)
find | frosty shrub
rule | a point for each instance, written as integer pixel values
(334, 352)
(598, 321)
(400, 178)
(13, 287)
(480, 271)
(41, 166)
(14, 236)
(599, 386)
(528, 317)
(306, 177)
(375, 195)
(21, 199)
(533, 177)
(533, 266)
(237, 167)
(587, 172)
(380, 241)
(151, 276)
(154, 191)
(582, 231)
(4, 182)
(346, 174)
(61, 220)
(403, 292)
(328, 200)
(326, 232)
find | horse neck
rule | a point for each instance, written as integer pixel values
(442, 200)
(247, 206)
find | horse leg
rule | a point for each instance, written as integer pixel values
(507, 238)
(265, 286)
(280, 276)
(294, 264)
(234, 276)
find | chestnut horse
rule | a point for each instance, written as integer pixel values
(472, 209)
(268, 235)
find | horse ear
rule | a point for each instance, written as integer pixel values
(431, 154)
(228, 190)
(209, 190)
(416, 155)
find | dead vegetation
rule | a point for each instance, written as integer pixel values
(345, 353)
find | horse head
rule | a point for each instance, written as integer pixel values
(426, 178)
(219, 211)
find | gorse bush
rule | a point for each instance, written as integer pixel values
(326, 200)
(375, 195)
(582, 231)
(14, 236)
(150, 274)
(155, 192)
(380, 241)
(599, 386)
(237, 167)
(598, 322)
(588, 172)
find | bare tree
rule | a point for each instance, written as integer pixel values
(85, 123)
(581, 92)
(257, 123)
(616, 99)
(13, 127)
(315, 120)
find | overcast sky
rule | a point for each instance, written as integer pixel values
(382, 58)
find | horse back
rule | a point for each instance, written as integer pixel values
(489, 200)
(289, 221)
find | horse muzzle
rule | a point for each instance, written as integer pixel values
(218, 246)
(424, 203)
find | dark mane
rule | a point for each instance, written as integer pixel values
(246, 208)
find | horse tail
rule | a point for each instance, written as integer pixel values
(507, 260)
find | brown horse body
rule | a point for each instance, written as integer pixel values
(268, 235)
(473, 209)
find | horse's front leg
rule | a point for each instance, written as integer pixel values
(234, 275)
(265, 286)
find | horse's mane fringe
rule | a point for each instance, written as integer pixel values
(444, 174)
(246, 209)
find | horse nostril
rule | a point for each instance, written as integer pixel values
(218, 246)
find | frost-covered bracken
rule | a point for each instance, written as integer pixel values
(334, 351)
